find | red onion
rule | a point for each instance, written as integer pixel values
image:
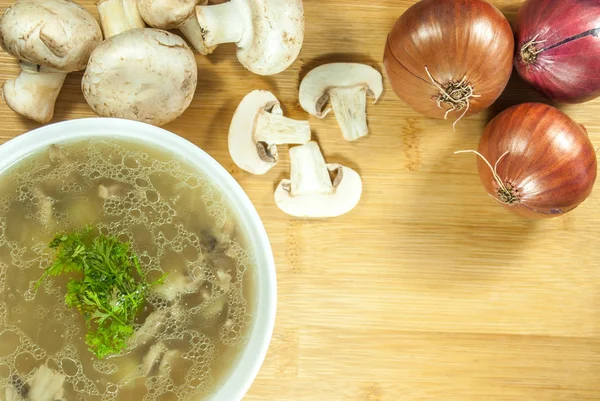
(536, 161)
(558, 48)
(449, 57)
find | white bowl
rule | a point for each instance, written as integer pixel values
(240, 379)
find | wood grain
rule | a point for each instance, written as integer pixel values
(428, 290)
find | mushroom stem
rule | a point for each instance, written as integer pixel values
(33, 93)
(276, 129)
(222, 23)
(350, 107)
(308, 171)
(117, 16)
(193, 33)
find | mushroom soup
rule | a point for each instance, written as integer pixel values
(190, 328)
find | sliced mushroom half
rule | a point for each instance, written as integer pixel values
(317, 189)
(347, 86)
(257, 127)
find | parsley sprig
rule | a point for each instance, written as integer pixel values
(107, 293)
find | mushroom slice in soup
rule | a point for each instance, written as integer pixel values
(215, 309)
(113, 189)
(43, 206)
(10, 394)
(57, 154)
(158, 359)
(46, 385)
(177, 284)
(156, 323)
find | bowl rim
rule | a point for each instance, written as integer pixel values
(251, 359)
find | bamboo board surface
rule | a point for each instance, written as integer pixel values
(428, 290)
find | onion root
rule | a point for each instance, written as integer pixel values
(529, 51)
(507, 195)
(456, 94)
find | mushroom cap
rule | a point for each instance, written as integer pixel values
(314, 88)
(274, 39)
(242, 148)
(146, 75)
(345, 196)
(56, 34)
(166, 14)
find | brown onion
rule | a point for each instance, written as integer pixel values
(449, 56)
(536, 161)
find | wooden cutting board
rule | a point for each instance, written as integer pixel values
(428, 290)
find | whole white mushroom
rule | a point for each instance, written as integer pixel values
(142, 74)
(51, 38)
(146, 75)
(268, 33)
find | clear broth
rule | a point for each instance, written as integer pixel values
(176, 221)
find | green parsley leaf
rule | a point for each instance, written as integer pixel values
(110, 289)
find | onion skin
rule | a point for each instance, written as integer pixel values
(453, 39)
(551, 163)
(569, 72)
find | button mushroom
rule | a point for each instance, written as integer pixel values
(51, 38)
(311, 192)
(147, 75)
(168, 14)
(347, 85)
(118, 16)
(268, 33)
(257, 127)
